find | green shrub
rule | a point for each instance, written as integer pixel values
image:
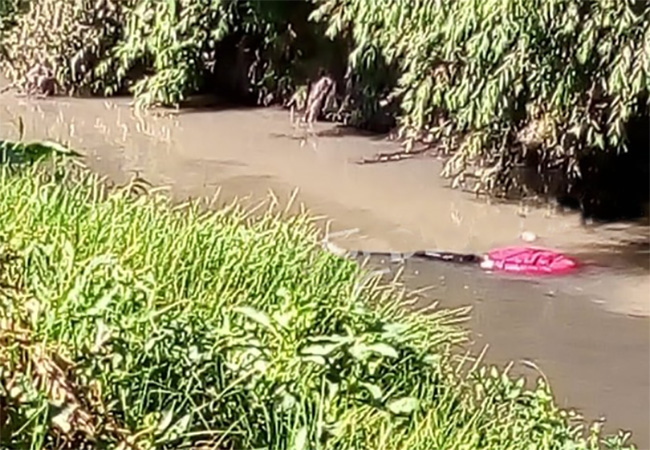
(68, 36)
(497, 84)
(252, 46)
(8, 11)
(162, 52)
(495, 81)
(129, 322)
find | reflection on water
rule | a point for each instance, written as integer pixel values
(589, 332)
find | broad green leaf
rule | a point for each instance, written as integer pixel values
(320, 349)
(301, 439)
(403, 406)
(384, 350)
(255, 315)
(375, 391)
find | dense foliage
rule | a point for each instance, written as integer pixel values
(174, 42)
(497, 84)
(130, 323)
(161, 51)
(67, 36)
(495, 79)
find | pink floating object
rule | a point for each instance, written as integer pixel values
(529, 260)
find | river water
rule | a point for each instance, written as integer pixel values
(589, 333)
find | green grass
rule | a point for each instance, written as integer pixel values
(129, 322)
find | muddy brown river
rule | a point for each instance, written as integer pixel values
(589, 333)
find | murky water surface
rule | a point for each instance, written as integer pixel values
(589, 332)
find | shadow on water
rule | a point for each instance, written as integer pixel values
(336, 131)
(626, 255)
(209, 104)
(611, 186)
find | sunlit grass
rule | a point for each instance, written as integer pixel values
(129, 322)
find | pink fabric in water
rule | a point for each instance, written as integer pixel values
(530, 260)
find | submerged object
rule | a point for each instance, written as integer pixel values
(528, 260)
(525, 260)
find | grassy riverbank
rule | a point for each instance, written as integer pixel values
(134, 323)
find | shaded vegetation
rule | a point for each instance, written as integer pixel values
(504, 88)
(128, 322)
(504, 84)
(69, 37)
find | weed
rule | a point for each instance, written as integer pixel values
(129, 322)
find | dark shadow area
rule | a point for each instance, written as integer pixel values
(612, 186)
(213, 103)
(616, 186)
(367, 94)
(209, 103)
(633, 254)
(242, 59)
(341, 131)
(336, 131)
